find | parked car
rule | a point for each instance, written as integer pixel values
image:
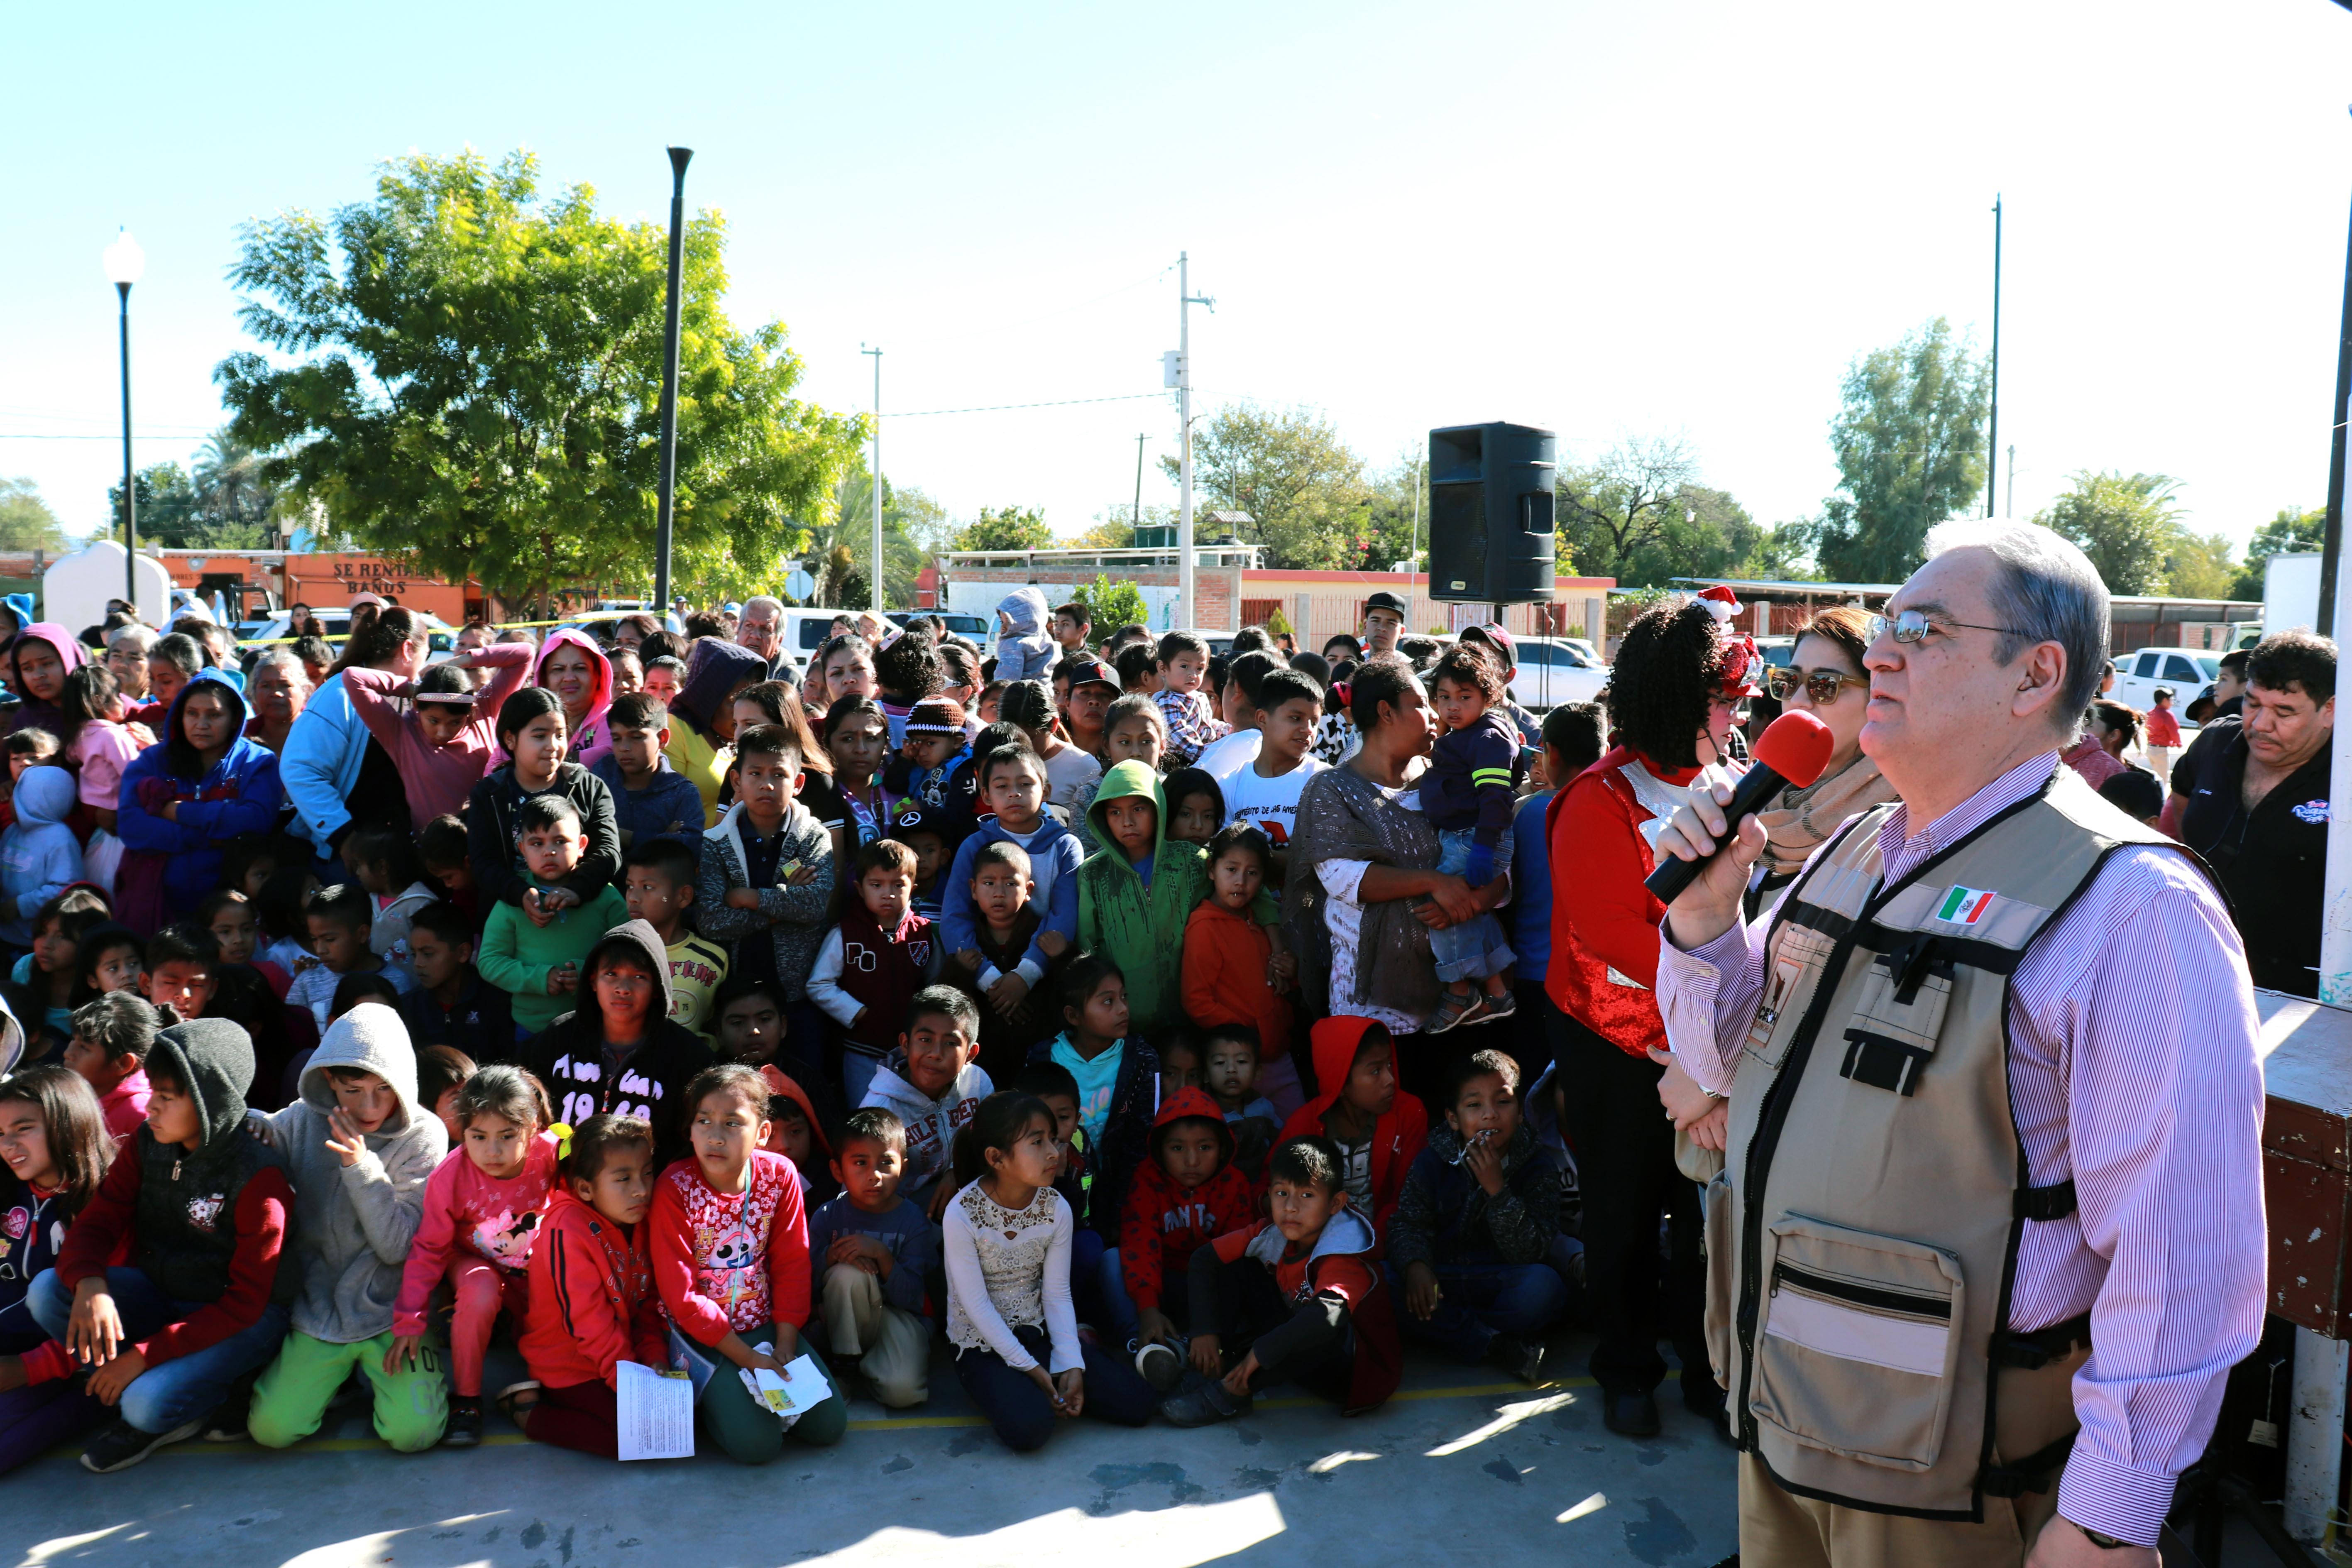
(335, 626)
(981, 629)
(2185, 671)
(1553, 671)
(598, 623)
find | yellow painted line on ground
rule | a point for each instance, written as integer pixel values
(888, 1424)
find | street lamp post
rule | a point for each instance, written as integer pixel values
(666, 495)
(124, 262)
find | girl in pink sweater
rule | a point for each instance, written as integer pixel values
(441, 733)
(483, 1205)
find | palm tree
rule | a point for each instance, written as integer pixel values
(841, 547)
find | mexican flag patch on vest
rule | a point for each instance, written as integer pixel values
(1963, 906)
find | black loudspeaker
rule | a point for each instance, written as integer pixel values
(1490, 513)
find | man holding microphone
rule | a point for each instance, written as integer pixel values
(1989, 1234)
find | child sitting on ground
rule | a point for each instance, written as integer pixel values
(1469, 1246)
(441, 1072)
(339, 920)
(593, 1302)
(766, 883)
(1235, 972)
(44, 986)
(931, 1084)
(55, 1151)
(1295, 1297)
(385, 861)
(1137, 893)
(873, 1251)
(1118, 1079)
(1468, 796)
(183, 972)
(651, 800)
(1179, 1062)
(1182, 659)
(1007, 1242)
(166, 1338)
(1013, 782)
(539, 965)
(1229, 1072)
(1378, 1128)
(795, 1131)
(620, 1052)
(729, 1247)
(657, 886)
(360, 1151)
(1186, 1194)
(111, 1037)
(872, 963)
(452, 1003)
(482, 1206)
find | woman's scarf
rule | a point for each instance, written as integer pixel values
(1342, 816)
(1801, 819)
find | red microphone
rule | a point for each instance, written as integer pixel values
(1794, 750)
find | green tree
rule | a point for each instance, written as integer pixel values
(1006, 528)
(2289, 530)
(2201, 566)
(1910, 454)
(1304, 490)
(168, 516)
(2127, 525)
(26, 520)
(840, 552)
(1110, 606)
(1614, 515)
(483, 389)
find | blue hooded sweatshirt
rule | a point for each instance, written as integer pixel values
(39, 853)
(238, 794)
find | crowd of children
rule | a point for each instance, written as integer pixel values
(642, 1007)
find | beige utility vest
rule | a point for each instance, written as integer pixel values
(1859, 1281)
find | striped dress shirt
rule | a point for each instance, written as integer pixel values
(2133, 1071)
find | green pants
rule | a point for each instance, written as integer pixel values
(747, 1430)
(412, 1405)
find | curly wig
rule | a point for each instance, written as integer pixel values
(1666, 669)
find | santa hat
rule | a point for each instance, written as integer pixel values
(1720, 602)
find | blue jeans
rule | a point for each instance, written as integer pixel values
(1118, 1305)
(1018, 1408)
(1477, 1301)
(1476, 948)
(172, 1393)
(1087, 1255)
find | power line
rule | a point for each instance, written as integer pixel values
(1001, 407)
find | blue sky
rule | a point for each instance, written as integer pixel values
(1606, 219)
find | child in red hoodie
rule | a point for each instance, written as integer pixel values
(593, 1302)
(1296, 1297)
(730, 1243)
(1377, 1127)
(1187, 1195)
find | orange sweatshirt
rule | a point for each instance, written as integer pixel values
(1226, 956)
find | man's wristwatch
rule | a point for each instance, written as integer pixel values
(2109, 1542)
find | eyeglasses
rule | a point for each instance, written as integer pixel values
(1821, 685)
(1913, 625)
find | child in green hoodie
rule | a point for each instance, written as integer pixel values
(1137, 892)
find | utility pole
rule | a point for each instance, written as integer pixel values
(2332, 541)
(1992, 436)
(1138, 520)
(1412, 556)
(678, 159)
(873, 577)
(1187, 605)
(2012, 481)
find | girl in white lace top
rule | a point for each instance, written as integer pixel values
(1008, 1236)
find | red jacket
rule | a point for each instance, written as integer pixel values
(1397, 1137)
(1165, 1223)
(1225, 976)
(593, 1302)
(1341, 1264)
(1603, 918)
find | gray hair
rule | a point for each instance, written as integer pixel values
(764, 602)
(140, 639)
(290, 658)
(2046, 591)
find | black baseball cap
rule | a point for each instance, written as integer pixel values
(1384, 600)
(1087, 672)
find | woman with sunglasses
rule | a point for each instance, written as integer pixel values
(1827, 678)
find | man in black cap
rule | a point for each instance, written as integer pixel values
(1384, 615)
(1087, 688)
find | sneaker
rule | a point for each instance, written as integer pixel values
(227, 1425)
(1516, 1356)
(465, 1428)
(1453, 1011)
(1499, 1004)
(1159, 1366)
(1204, 1407)
(122, 1446)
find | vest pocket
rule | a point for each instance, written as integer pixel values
(1792, 968)
(1897, 1017)
(1858, 1348)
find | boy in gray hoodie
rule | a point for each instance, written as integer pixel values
(359, 1148)
(1026, 650)
(933, 1086)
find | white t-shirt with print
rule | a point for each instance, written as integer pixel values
(1270, 804)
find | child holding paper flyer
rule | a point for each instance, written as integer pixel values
(593, 1303)
(730, 1243)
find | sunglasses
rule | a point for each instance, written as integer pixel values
(1820, 685)
(1912, 626)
